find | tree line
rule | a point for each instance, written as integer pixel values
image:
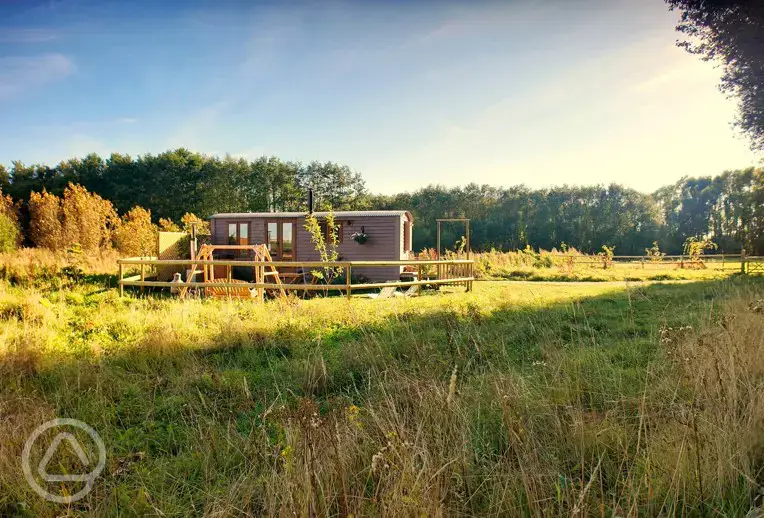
(728, 208)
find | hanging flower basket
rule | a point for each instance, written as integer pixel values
(360, 237)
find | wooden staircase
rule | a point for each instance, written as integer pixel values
(263, 255)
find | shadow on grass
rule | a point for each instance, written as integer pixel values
(622, 325)
(154, 399)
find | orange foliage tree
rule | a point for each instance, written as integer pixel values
(202, 226)
(136, 235)
(45, 228)
(88, 219)
(80, 217)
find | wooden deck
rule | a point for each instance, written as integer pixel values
(453, 272)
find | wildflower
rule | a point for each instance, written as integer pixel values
(352, 416)
(286, 453)
(377, 462)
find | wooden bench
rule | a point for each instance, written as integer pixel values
(223, 292)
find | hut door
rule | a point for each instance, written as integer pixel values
(281, 240)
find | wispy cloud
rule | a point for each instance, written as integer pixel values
(13, 35)
(18, 74)
(202, 122)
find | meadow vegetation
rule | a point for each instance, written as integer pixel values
(571, 265)
(518, 398)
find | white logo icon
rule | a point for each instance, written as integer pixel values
(72, 442)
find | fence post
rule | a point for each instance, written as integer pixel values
(348, 277)
(261, 291)
(121, 272)
(742, 260)
(143, 274)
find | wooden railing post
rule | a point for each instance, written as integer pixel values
(348, 279)
(742, 260)
(121, 275)
(452, 272)
(261, 291)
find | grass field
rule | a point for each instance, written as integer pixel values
(575, 267)
(519, 398)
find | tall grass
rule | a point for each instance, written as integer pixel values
(35, 266)
(571, 265)
(512, 400)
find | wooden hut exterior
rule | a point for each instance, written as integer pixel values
(389, 236)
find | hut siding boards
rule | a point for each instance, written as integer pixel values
(383, 236)
(385, 232)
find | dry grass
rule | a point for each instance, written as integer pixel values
(513, 400)
(575, 266)
(29, 266)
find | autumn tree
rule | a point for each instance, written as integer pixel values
(136, 235)
(189, 219)
(45, 228)
(168, 225)
(88, 219)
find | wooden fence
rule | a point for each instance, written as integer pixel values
(738, 262)
(454, 272)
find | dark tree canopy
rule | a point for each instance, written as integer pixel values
(728, 208)
(731, 32)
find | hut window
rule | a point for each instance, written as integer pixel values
(273, 237)
(286, 240)
(243, 233)
(406, 236)
(325, 230)
(238, 233)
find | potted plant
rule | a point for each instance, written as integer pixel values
(360, 237)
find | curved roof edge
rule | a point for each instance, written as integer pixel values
(337, 214)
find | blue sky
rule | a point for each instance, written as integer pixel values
(407, 93)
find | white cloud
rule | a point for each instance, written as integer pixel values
(192, 131)
(19, 74)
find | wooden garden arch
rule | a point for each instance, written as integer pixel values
(466, 221)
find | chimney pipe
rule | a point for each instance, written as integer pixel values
(310, 201)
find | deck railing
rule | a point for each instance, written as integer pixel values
(454, 272)
(726, 262)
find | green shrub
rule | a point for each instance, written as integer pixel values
(9, 234)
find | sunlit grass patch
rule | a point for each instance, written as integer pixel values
(508, 400)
